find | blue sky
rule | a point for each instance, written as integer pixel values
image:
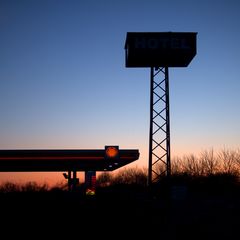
(64, 84)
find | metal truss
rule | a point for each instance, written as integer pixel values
(159, 135)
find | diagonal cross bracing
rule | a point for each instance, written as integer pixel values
(159, 135)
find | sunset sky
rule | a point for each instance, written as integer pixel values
(64, 84)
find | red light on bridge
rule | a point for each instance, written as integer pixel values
(111, 151)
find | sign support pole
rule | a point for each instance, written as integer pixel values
(159, 134)
(151, 127)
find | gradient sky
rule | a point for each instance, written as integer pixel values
(64, 84)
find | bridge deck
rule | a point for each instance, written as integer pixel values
(54, 160)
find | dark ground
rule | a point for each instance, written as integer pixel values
(124, 212)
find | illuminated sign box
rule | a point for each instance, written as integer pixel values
(160, 49)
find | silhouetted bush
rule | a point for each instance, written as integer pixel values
(208, 163)
(31, 187)
(34, 187)
(132, 176)
(104, 179)
(10, 187)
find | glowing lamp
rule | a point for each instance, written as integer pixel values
(111, 152)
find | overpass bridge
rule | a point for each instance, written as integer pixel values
(67, 160)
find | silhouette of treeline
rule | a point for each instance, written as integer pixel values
(202, 203)
(220, 168)
(207, 173)
(224, 165)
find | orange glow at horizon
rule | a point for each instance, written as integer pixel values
(55, 178)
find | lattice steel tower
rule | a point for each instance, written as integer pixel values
(159, 133)
(159, 51)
